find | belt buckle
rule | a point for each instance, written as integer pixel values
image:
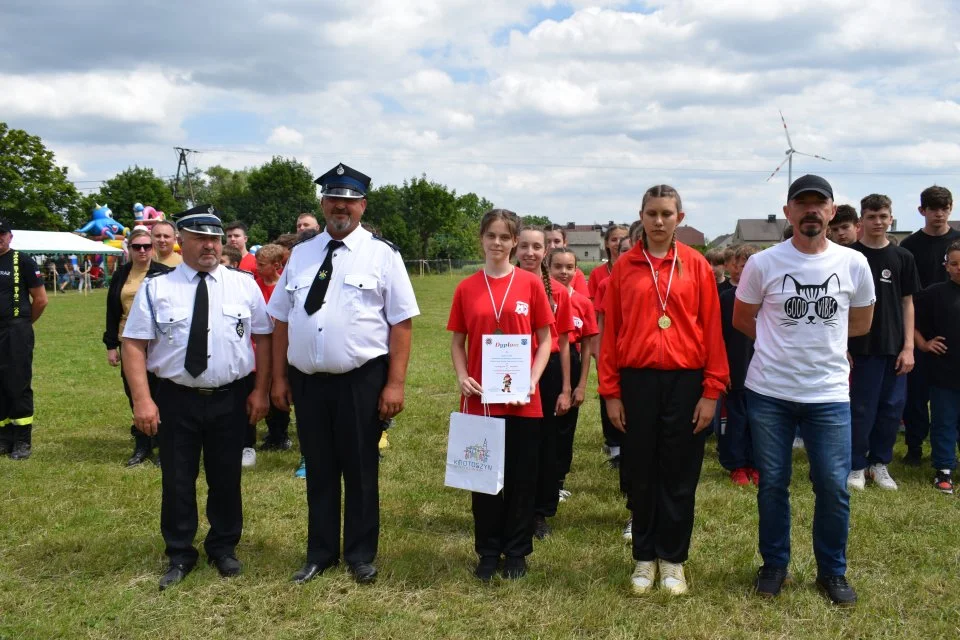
(205, 392)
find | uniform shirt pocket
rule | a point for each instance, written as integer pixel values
(297, 291)
(362, 292)
(172, 322)
(237, 319)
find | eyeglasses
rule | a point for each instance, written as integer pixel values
(141, 247)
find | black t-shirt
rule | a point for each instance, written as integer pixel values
(726, 285)
(739, 346)
(938, 314)
(930, 252)
(29, 277)
(894, 276)
(61, 264)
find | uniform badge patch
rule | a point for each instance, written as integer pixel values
(322, 275)
(240, 328)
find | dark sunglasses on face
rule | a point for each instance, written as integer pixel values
(141, 247)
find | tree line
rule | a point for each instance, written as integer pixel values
(425, 219)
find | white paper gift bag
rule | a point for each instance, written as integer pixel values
(475, 453)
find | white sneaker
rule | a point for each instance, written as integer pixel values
(249, 459)
(798, 443)
(628, 531)
(672, 578)
(881, 477)
(857, 480)
(644, 575)
(564, 494)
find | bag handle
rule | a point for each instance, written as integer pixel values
(465, 402)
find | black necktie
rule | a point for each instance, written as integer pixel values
(196, 361)
(319, 287)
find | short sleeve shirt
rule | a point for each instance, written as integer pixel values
(162, 313)
(562, 315)
(805, 300)
(16, 279)
(894, 275)
(525, 309)
(584, 318)
(369, 291)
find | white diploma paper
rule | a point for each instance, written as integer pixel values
(505, 363)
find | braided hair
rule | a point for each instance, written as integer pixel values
(544, 271)
(663, 191)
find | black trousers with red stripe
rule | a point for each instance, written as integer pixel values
(665, 458)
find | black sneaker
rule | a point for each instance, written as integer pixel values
(913, 457)
(614, 462)
(770, 580)
(943, 481)
(540, 527)
(514, 567)
(838, 590)
(486, 568)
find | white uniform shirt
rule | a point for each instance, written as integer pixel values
(805, 299)
(162, 313)
(369, 292)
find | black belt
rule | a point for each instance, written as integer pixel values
(9, 322)
(206, 391)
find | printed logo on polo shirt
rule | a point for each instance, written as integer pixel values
(885, 276)
(577, 322)
(523, 309)
(811, 302)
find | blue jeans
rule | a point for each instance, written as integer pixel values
(944, 420)
(734, 445)
(825, 428)
(877, 398)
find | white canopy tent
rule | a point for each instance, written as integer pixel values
(51, 242)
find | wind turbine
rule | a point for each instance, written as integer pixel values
(789, 159)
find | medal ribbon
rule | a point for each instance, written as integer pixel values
(656, 282)
(498, 312)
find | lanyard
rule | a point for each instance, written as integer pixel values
(656, 282)
(498, 312)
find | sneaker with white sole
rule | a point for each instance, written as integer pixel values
(798, 443)
(628, 531)
(881, 477)
(564, 494)
(249, 459)
(672, 578)
(857, 480)
(644, 575)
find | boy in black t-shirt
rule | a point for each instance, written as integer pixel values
(929, 247)
(883, 357)
(845, 226)
(734, 444)
(938, 335)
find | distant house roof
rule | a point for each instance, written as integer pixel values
(690, 236)
(759, 230)
(720, 241)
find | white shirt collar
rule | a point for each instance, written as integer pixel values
(191, 273)
(352, 241)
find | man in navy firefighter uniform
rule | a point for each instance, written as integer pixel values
(192, 329)
(343, 310)
(22, 300)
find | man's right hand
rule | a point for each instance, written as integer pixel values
(616, 414)
(280, 394)
(146, 416)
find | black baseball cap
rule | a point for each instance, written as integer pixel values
(5, 226)
(810, 182)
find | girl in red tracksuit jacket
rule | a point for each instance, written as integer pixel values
(662, 367)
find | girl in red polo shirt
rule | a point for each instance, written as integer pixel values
(556, 237)
(611, 242)
(501, 298)
(563, 268)
(555, 383)
(662, 367)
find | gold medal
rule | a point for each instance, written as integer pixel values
(664, 322)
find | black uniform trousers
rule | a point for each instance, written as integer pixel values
(503, 524)
(568, 426)
(665, 458)
(338, 424)
(193, 424)
(16, 376)
(551, 384)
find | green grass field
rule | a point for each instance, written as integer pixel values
(81, 552)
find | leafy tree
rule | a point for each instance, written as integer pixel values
(535, 221)
(385, 212)
(225, 189)
(136, 184)
(34, 192)
(276, 192)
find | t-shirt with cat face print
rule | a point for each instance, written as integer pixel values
(805, 299)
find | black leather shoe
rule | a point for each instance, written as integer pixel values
(309, 571)
(540, 527)
(228, 566)
(486, 568)
(175, 574)
(139, 457)
(6, 442)
(363, 572)
(514, 567)
(21, 450)
(838, 590)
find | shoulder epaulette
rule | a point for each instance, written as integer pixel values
(241, 271)
(156, 274)
(386, 242)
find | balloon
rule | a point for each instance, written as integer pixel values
(101, 225)
(254, 249)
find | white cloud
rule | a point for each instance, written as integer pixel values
(285, 137)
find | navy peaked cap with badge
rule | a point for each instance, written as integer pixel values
(201, 219)
(344, 182)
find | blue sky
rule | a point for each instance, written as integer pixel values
(564, 109)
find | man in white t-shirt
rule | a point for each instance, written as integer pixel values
(800, 301)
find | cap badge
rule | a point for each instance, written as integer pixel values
(340, 170)
(211, 210)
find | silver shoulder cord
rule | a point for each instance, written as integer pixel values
(153, 313)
